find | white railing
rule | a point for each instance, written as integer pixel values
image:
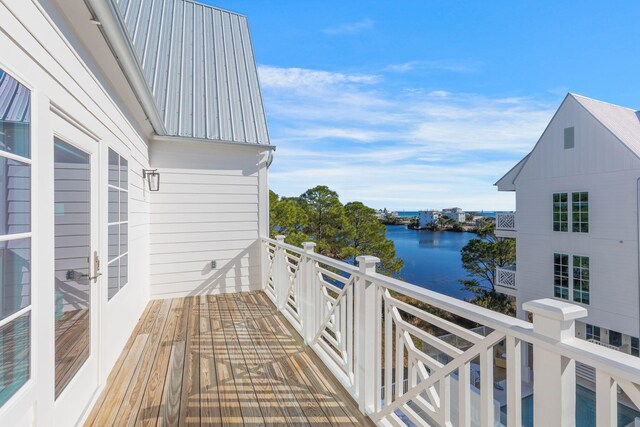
(506, 221)
(371, 330)
(506, 276)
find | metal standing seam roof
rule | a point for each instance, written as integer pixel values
(199, 65)
(14, 100)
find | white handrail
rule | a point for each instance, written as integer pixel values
(351, 315)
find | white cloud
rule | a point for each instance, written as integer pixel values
(435, 65)
(350, 28)
(412, 150)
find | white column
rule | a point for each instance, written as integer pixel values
(368, 343)
(280, 275)
(309, 305)
(554, 376)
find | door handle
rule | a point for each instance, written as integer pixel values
(96, 267)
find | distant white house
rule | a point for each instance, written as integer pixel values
(428, 217)
(570, 244)
(455, 214)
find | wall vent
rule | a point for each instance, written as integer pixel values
(569, 138)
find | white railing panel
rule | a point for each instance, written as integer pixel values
(506, 277)
(374, 332)
(506, 221)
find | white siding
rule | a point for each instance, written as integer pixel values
(206, 210)
(608, 170)
(45, 57)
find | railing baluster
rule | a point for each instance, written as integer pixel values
(606, 400)
(388, 354)
(514, 382)
(464, 395)
(309, 303)
(486, 387)
(281, 275)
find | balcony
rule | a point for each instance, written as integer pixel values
(506, 280)
(326, 343)
(506, 225)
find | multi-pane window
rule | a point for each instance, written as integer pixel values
(560, 212)
(635, 346)
(581, 279)
(593, 333)
(118, 223)
(561, 276)
(580, 212)
(15, 232)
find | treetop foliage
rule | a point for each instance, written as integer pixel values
(340, 231)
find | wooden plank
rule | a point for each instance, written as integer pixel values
(310, 363)
(286, 395)
(262, 384)
(118, 365)
(127, 411)
(148, 403)
(169, 413)
(190, 395)
(248, 400)
(227, 392)
(209, 400)
(295, 368)
(105, 416)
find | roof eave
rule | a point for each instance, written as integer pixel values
(114, 32)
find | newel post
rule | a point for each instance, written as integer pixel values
(554, 375)
(309, 290)
(280, 275)
(368, 338)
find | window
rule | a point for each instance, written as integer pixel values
(615, 338)
(581, 279)
(561, 276)
(593, 333)
(635, 346)
(118, 223)
(15, 229)
(580, 212)
(569, 138)
(560, 212)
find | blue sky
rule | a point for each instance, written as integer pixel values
(425, 104)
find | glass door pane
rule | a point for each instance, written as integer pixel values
(72, 179)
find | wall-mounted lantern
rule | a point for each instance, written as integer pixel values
(153, 178)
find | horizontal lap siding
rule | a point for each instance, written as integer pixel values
(206, 210)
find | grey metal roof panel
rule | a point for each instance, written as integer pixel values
(199, 64)
(14, 100)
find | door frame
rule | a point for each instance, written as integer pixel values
(75, 400)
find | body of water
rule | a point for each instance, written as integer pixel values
(431, 258)
(410, 214)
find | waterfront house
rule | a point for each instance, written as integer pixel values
(455, 214)
(139, 282)
(571, 246)
(428, 217)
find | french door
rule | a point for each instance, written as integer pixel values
(77, 275)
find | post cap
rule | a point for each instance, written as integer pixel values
(553, 309)
(367, 262)
(280, 238)
(309, 246)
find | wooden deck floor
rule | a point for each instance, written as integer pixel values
(220, 360)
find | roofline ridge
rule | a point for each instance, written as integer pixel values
(576, 95)
(210, 6)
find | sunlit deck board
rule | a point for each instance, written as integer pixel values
(220, 360)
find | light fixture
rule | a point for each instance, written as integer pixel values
(153, 178)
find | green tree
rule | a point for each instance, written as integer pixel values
(480, 258)
(325, 223)
(286, 216)
(366, 236)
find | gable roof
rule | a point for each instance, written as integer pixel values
(191, 66)
(622, 122)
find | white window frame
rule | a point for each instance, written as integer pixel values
(120, 190)
(17, 236)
